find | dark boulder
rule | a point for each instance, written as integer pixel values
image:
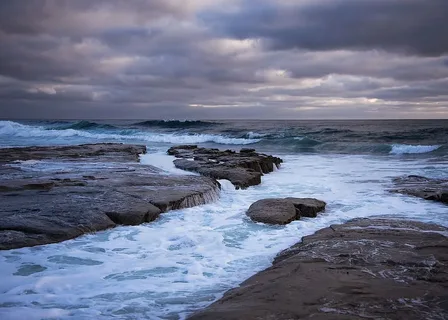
(283, 211)
(307, 207)
(272, 211)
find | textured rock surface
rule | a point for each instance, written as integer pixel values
(422, 187)
(56, 199)
(107, 151)
(283, 211)
(243, 169)
(364, 269)
(307, 207)
(272, 211)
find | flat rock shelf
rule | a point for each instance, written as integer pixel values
(363, 269)
(422, 187)
(89, 188)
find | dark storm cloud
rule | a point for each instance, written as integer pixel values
(413, 26)
(222, 58)
(63, 17)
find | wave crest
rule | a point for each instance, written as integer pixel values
(411, 149)
(84, 125)
(10, 128)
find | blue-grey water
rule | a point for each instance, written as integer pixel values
(188, 258)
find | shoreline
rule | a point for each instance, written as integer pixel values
(84, 196)
(364, 268)
(127, 182)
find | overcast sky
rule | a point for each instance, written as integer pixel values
(214, 59)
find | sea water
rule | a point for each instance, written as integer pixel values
(188, 258)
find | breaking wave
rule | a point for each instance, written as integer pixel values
(14, 129)
(408, 149)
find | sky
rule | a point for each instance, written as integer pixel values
(224, 59)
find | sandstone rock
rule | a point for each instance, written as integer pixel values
(307, 207)
(283, 211)
(107, 151)
(364, 269)
(272, 211)
(243, 169)
(40, 207)
(422, 187)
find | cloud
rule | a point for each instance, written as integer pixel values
(222, 59)
(410, 26)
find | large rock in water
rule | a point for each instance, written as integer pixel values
(363, 269)
(272, 211)
(422, 187)
(59, 198)
(283, 211)
(243, 169)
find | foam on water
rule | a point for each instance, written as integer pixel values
(10, 129)
(255, 135)
(163, 161)
(188, 258)
(406, 149)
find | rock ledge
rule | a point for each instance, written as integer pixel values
(363, 269)
(73, 190)
(243, 169)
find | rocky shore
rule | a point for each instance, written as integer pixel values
(84, 189)
(363, 269)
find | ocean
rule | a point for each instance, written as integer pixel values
(188, 258)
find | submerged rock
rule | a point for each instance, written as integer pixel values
(87, 195)
(422, 187)
(363, 269)
(283, 211)
(243, 169)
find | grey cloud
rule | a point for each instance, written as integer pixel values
(412, 26)
(153, 59)
(81, 17)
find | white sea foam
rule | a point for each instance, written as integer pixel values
(163, 161)
(255, 135)
(14, 129)
(406, 149)
(189, 257)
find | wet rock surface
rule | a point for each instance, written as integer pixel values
(243, 169)
(116, 152)
(95, 187)
(363, 269)
(283, 211)
(422, 187)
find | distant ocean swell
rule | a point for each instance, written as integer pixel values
(326, 140)
(305, 144)
(104, 133)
